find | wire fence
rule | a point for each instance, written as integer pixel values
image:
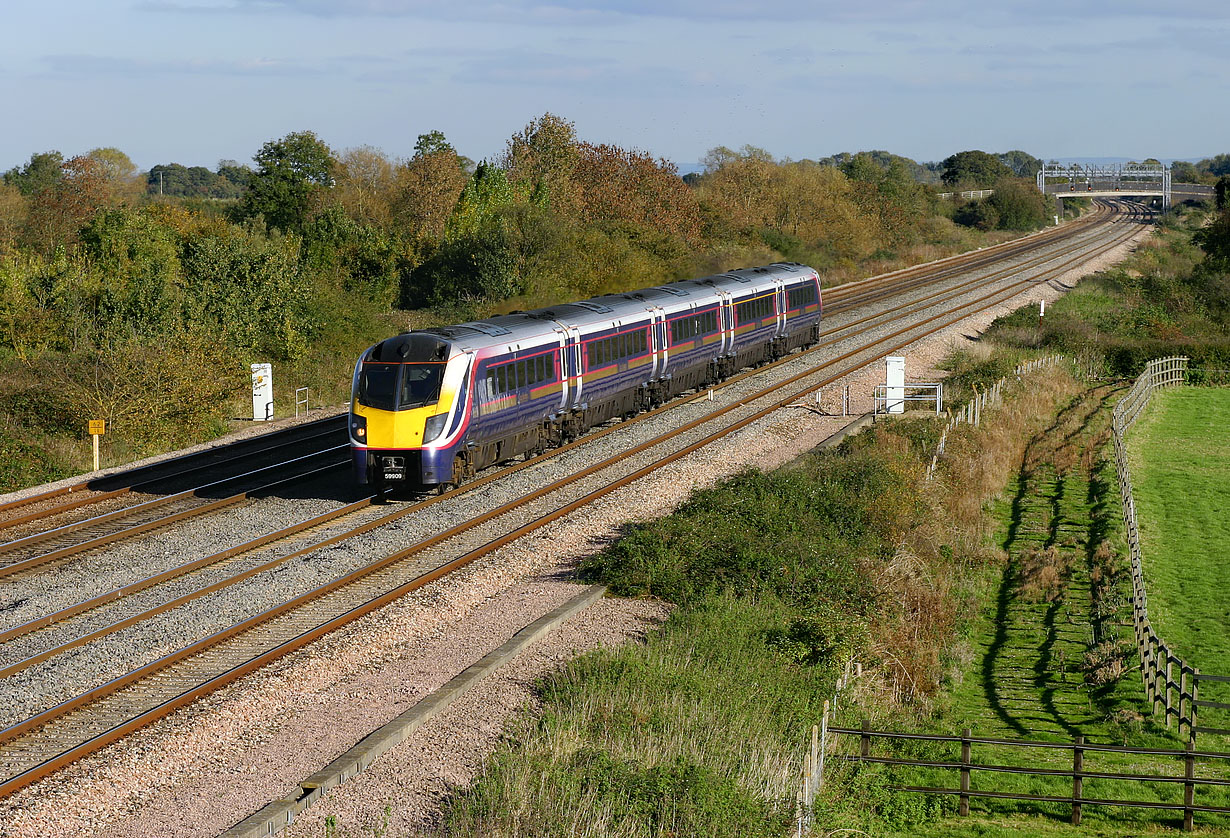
(971, 414)
(813, 758)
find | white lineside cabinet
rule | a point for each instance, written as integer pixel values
(262, 392)
(894, 379)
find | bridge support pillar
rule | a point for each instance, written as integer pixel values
(1059, 207)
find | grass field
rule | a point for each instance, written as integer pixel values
(1179, 453)
(1040, 662)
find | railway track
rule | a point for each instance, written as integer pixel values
(57, 735)
(169, 476)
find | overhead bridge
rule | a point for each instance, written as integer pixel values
(1117, 181)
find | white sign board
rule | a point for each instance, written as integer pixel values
(262, 392)
(895, 381)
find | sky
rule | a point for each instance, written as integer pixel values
(198, 81)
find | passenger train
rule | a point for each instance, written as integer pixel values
(432, 407)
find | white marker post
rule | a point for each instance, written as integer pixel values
(98, 427)
(262, 392)
(894, 378)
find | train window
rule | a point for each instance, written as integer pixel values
(501, 380)
(640, 340)
(378, 385)
(802, 296)
(420, 385)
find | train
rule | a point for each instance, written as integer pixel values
(432, 407)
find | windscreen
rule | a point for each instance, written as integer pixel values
(378, 385)
(399, 386)
(420, 385)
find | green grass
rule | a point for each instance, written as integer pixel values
(1029, 646)
(1027, 669)
(697, 732)
(1179, 452)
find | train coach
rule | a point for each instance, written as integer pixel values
(432, 407)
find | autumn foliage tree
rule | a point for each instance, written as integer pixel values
(58, 213)
(621, 186)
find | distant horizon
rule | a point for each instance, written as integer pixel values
(683, 168)
(198, 81)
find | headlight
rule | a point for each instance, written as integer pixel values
(434, 427)
(358, 428)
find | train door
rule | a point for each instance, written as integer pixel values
(571, 371)
(780, 295)
(561, 358)
(726, 322)
(657, 333)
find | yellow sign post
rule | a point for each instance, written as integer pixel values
(98, 427)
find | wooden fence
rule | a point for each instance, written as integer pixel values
(1170, 682)
(1077, 774)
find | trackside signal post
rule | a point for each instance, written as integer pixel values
(97, 428)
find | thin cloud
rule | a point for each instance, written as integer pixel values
(99, 65)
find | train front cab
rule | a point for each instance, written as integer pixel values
(408, 409)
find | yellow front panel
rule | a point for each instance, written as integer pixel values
(396, 429)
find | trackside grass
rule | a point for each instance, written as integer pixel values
(780, 579)
(1180, 458)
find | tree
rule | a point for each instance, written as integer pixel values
(541, 159)
(425, 194)
(1218, 165)
(189, 182)
(1022, 164)
(13, 212)
(1018, 204)
(57, 214)
(1183, 172)
(137, 286)
(1214, 240)
(291, 174)
(976, 168)
(365, 185)
(631, 189)
(235, 172)
(433, 142)
(42, 172)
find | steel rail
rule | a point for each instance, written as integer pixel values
(231, 674)
(225, 454)
(859, 291)
(146, 526)
(136, 487)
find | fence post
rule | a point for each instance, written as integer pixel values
(824, 744)
(815, 759)
(864, 747)
(1078, 779)
(963, 805)
(1189, 788)
(1195, 705)
(1184, 695)
(1168, 683)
